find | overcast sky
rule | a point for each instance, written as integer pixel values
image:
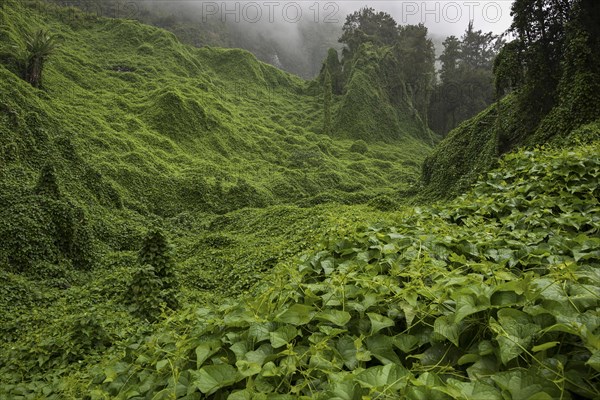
(442, 17)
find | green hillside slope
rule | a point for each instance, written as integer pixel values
(177, 224)
(131, 123)
(475, 146)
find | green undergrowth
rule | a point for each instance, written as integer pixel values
(58, 320)
(175, 224)
(491, 296)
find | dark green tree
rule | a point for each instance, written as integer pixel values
(156, 251)
(416, 55)
(450, 59)
(466, 82)
(154, 284)
(38, 47)
(552, 65)
(408, 66)
(367, 25)
(327, 95)
(478, 49)
(47, 184)
(539, 27)
(508, 68)
(579, 86)
(334, 67)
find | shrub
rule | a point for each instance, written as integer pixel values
(383, 203)
(153, 285)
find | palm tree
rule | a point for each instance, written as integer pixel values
(38, 47)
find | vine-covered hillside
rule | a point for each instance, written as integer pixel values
(191, 223)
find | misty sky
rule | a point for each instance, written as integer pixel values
(442, 17)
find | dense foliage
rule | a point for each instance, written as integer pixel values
(466, 82)
(192, 223)
(551, 76)
(447, 303)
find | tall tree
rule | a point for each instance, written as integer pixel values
(553, 67)
(478, 48)
(367, 25)
(450, 59)
(416, 54)
(327, 103)
(38, 46)
(466, 84)
(539, 26)
(334, 67)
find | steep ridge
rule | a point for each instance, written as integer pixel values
(376, 105)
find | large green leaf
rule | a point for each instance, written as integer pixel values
(283, 336)
(406, 343)
(594, 361)
(525, 385)
(445, 327)
(347, 350)
(240, 395)
(381, 347)
(515, 332)
(205, 350)
(211, 378)
(337, 317)
(247, 368)
(471, 390)
(260, 355)
(379, 322)
(388, 378)
(297, 314)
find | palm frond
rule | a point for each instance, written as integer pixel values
(40, 43)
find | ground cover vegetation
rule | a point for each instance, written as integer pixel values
(183, 222)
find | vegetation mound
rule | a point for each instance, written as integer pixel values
(371, 109)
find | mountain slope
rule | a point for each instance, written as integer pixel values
(252, 287)
(131, 124)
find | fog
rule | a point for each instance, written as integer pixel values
(295, 35)
(283, 18)
(443, 18)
